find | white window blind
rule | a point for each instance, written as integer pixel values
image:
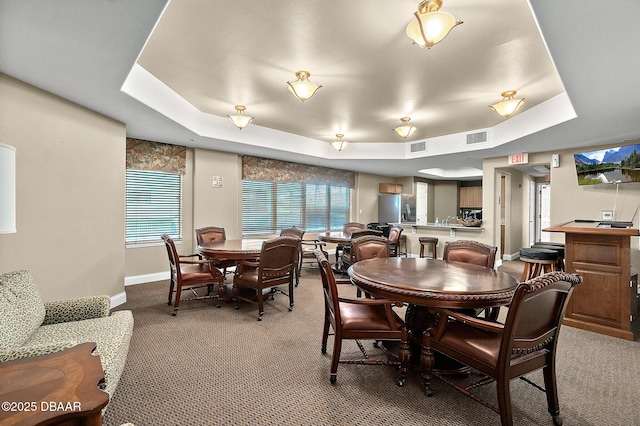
(153, 206)
(267, 207)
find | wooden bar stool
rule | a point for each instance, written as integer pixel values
(431, 242)
(555, 247)
(537, 261)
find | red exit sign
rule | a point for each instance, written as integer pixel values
(522, 158)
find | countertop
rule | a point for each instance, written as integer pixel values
(442, 226)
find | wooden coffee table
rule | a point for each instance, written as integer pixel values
(58, 388)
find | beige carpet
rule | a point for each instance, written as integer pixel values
(211, 366)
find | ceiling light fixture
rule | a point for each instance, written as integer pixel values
(339, 144)
(302, 88)
(509, 105)
(430, 26)
(239, 119)
(406, 129)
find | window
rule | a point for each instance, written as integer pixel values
(153, 206)
(267, 207)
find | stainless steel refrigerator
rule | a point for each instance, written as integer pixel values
(396, 208)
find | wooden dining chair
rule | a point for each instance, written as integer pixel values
(275, 267)
(369, 247)
(360, 319)
(526, 342)
(347, 229)
(298, 233)
(395, 232)
(346, 259)
(469, 251)
(191, 273)
(476, 253)
(211, 234)
(307, 247)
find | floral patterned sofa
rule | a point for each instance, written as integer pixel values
(29, 327)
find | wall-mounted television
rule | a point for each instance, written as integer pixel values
(611, 165)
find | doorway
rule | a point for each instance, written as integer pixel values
(543, 211)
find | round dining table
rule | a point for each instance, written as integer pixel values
(335, 237)
(244, 249)
(433, 282)
(424, 283)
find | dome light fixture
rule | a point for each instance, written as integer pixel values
(302, 88)
(339, 144)
(509, 105)
(430, 26)
(239, 118)
(406, 129)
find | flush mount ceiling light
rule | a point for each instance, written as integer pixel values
(406, 129)
(509, 105)
(239, 119)
(339, 144)
(302, 88)
(430, 26)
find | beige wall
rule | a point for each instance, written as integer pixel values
(218, 206)
(366, 197)
(445, 201)
(568, 200)
(70, 183)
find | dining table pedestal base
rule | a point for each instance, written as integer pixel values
(418, 319)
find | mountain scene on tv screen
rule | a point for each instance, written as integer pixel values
(614, 165)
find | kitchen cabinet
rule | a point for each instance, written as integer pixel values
(470, 196)
(390, 188)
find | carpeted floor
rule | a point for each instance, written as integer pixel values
(209, 366)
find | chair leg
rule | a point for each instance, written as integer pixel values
(235, 291)
(291, 295)
(177, 301)
(551, 389)
(325, 332)
(504, 401)
(337, 348)
(171, 286)
(260, 298)
(526, 273)
(220, 293)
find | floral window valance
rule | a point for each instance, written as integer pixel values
(156, 156)
(263, 169)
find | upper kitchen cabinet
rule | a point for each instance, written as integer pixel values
(470, 197)
(390, 188)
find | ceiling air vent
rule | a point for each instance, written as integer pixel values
(418, 146)
(476, 137)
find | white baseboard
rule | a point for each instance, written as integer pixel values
(118, 299)
(121, 298)
(514, 256)
(146, 278)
